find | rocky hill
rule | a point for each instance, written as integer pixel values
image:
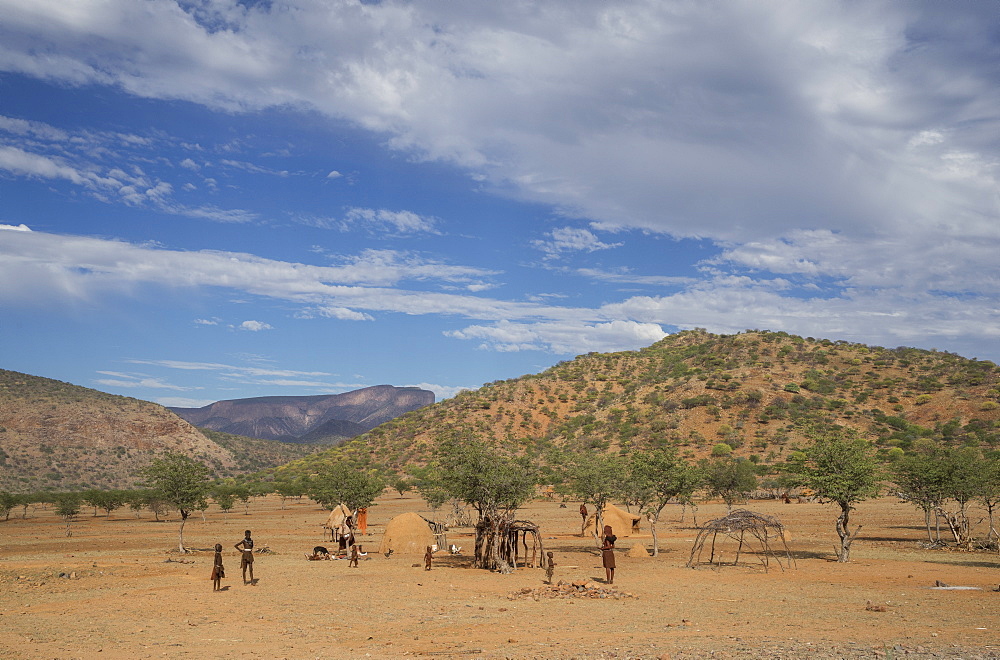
(328, 418)
(760, 393)
(58, 436)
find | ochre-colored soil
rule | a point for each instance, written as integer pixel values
(122, 598)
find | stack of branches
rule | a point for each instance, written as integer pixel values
(497, 543)
(744, 527)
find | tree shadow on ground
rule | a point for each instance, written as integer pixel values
(969, 563)
(812, 554)
(588, 548)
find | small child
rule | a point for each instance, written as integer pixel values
(428, 557)
(218, 571)
(354, 557)
(550, 568)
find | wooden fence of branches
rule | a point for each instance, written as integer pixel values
(498, 542)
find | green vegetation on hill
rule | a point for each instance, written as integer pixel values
(756, 392)
(59, 436)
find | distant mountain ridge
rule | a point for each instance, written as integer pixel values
(323, 418)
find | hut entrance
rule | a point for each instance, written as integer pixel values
(752, 533)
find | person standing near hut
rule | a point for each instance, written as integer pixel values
(246, 556)
(608, 554)
(363, 520)
(218, 571)
(353, 561)
(428, 558)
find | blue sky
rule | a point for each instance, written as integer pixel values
(212, 199)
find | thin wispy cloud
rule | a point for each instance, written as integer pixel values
(397, 222)
(571, 239)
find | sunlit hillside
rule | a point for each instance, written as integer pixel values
(757, 392)
(58, 436)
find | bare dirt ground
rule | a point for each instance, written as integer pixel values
(126, 592)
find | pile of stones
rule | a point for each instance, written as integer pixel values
(575, 589)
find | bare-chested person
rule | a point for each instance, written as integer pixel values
(428, 558)
(246, 556)
(353, 561)
(550, 567)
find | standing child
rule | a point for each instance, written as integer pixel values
(428, 558)
(218, 571)
(246, 556)
(550, 568)
(354, 557)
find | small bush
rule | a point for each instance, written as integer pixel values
(722, 449)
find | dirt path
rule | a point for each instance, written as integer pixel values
(121, 598)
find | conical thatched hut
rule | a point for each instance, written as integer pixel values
(407, 534)
(337, 517)
(622, 522)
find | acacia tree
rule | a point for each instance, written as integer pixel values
(402, 485)
(181, 482)
(224, 495)
(840, 468)
(68, 506)
(596, 478)
(921, 481)
(345, 483)
(108, 500)
(493, 483)
(990, 495)
(285, 488)
(654, 478)
(962, 468)
(7, 502)
(732, 479)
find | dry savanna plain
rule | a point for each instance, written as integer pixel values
(118, 588)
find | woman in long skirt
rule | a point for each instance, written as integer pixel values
(608, 554)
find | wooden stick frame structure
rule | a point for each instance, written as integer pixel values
(745, 528)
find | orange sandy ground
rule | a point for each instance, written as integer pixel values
(126, 601)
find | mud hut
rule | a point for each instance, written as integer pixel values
(622, 522)
(408, 534)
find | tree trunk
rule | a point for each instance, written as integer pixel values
(180, 536)
(652, 530)
(993, 530)
(927, 524)
(843, 530)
